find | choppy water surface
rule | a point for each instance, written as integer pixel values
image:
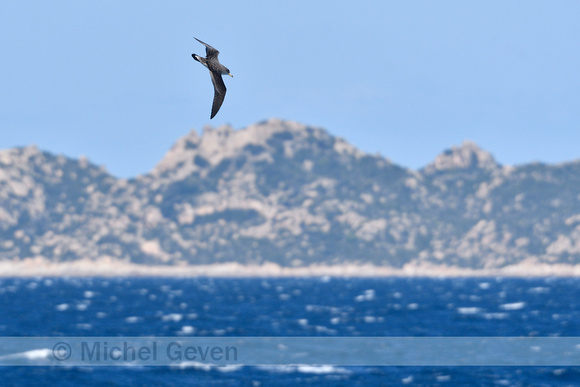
(289, 307)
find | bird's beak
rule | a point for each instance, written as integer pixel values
(231, 75)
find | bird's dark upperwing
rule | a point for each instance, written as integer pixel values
(210, 52)
(219, 92)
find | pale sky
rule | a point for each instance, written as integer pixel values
(115, 81)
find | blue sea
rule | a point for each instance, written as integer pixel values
(167, 307)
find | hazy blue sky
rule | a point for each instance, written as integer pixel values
(115, 81)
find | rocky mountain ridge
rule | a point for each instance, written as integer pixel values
(283, 192)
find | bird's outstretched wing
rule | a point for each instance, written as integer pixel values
(210, 52)
(219, 92)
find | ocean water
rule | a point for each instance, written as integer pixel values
(325, 306)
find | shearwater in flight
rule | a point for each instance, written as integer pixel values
(216, 69)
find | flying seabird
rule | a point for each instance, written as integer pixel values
(216, 69)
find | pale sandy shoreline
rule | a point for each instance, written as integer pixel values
(109, 268)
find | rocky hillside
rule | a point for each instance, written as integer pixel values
(283, 192)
